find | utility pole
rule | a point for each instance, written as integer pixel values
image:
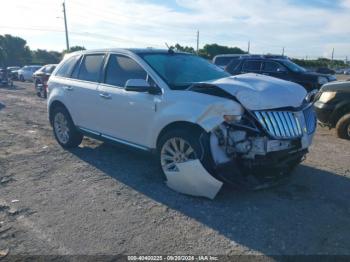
(65, 24)
(248, 46)
(283, 51)
(197, 41)
(332, 54)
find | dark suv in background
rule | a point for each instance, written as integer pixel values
(280, 67)
(332, 105)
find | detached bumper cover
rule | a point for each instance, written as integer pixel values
(193, 179)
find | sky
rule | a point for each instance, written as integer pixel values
(309, 28)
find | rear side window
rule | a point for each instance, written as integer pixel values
(67, 67)
(90, 68)
(251, 66)
(121, 68)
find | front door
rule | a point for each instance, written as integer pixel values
(126, 115)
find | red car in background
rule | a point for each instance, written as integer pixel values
(40, 78)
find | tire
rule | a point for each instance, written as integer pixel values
(43, 93)
(200, 147)
(36, 89)
(64, 129)
(343, 127)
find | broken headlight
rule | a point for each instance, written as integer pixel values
(231, 119)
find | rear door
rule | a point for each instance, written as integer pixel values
(82, 91)
(252, 66)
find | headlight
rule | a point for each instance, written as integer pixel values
(327, 96)
(230, 119)
(322, 80)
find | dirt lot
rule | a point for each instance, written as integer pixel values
(103, 199)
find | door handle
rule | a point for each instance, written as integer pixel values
(68, 88)
(105, 96)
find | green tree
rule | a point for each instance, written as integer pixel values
(187, 49)
(14, 51)
(41, 56)
(211, 50)
(74, 49)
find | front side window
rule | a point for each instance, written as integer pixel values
(122, 68)
(251, 66)
(179, 70)
(293, 67)
(90, 68)
(273, 67)
(67, 67)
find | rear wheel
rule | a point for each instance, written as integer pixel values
(43, 92)
(343, 127)
(64, 129)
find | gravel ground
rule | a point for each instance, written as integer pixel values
(103, 199)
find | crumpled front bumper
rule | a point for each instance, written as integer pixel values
(249, 158)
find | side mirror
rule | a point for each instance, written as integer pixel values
(137, 85)
(141, 85)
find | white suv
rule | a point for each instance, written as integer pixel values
(206, 127)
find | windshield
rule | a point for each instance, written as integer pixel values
(293, 67)
(179, 71)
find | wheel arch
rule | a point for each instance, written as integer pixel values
(184, 125)
(341, 110)
(52, 107)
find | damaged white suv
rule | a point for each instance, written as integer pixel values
(206, 127)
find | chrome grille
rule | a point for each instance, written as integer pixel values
(280, 124)
(310, 119)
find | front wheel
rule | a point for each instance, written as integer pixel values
(64, 129)
(179, 146)
(343, 127)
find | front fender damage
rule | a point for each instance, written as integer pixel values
(193, 179)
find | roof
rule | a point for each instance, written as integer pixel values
(126, 50)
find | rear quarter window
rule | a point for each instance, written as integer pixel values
(67, 67)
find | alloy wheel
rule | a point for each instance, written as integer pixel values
(175, 150)
(61, 128)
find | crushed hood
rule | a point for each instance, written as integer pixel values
(258, 92)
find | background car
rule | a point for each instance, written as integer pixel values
(5, 77)
(14, 71)
(333, 107)
(280, 67)
(40, 78)
(325, 70)
(26, 72)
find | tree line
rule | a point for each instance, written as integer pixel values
(14, 51)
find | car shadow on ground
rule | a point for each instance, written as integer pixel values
(308, 215)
